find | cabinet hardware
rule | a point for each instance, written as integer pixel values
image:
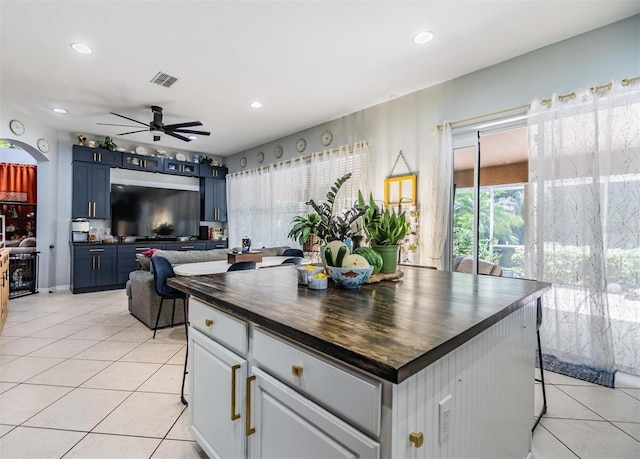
(208, 322)
(417, 438)
(93, 262)
(186, 247)
(99, 262)
(99, 157)
(234, 415)
(247, 418)
(296, 370)
(96, 250)
(89, 209)
(94, 208)
(142, 249)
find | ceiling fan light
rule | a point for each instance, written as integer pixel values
(255, 104)
(81, 48)
(60, 110)
(423, 37)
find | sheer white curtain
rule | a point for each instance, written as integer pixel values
(329, 165)
(435, 208)
(584, 225)
(262, 202)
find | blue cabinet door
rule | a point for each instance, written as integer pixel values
(213, 200)
(91, 188)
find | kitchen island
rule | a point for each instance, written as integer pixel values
(438, 364)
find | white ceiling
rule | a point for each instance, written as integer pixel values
(308, 62)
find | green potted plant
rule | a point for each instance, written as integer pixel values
(333, 226)
(325, 223)
(304, 231)
(385, 230)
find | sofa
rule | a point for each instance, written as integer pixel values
(141, 294)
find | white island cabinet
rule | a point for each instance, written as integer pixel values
(439, 366)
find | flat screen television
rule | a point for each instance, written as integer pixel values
(137, 210)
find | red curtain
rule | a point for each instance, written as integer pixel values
(20, 178)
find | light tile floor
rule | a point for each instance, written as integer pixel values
(80, 377)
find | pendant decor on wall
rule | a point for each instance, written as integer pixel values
(400, 194)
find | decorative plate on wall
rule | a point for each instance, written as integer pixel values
(260, 157)
(301, 144)
(327, 138)
(243, 161)
(43, 145)
(278, 151)
(16, 127)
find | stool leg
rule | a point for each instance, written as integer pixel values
(184, 375)
(186, 323)
(158, 318)
(173, 312)
(541, 380)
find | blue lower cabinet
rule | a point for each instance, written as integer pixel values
(93, 268)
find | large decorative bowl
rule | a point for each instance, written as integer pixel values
(351, 278)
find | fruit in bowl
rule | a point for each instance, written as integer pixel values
(349, 277)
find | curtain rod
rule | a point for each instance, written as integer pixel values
(349, 147)
(571, 95)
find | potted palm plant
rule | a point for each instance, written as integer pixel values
(385, 230)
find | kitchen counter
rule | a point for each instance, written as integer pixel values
(391, 330)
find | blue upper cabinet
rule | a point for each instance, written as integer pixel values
(142, 162)
(97, 155)
(213, 171)
(175, 167)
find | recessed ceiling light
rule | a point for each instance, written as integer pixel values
(423, 37)
(255, 104)
(80, 48)
(59, 110)
(192, 137)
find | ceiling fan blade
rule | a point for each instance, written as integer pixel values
(178, 136)
(183, 125)
(121, 125)
(188, 131)
(134, 132)
(130, 119)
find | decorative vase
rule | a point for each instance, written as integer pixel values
(389, 254)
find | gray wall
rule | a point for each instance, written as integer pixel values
(407, 123)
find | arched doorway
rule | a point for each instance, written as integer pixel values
(19, 206)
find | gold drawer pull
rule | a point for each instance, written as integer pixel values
(234, 415)
(208, 322)
(417, 438)
(247, 418)
(296, 370)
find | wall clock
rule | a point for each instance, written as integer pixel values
(16, 127)
(243, 161)
(278, 151)
(260, 157)
(43, 145)
(301, 144)
(327, 138)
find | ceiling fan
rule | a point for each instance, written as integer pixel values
(174, 130)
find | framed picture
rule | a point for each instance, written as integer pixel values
(400, 190)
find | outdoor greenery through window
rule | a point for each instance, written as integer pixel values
(501, 226)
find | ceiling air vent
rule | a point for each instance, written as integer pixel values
(163, 79)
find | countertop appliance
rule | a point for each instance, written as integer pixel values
(80, 230)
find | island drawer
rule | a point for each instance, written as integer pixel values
(217, 325)
(348, 394)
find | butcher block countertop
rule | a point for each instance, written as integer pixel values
(388, 329)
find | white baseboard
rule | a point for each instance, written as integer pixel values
(626, 380)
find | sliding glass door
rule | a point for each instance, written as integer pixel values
(488, 214)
